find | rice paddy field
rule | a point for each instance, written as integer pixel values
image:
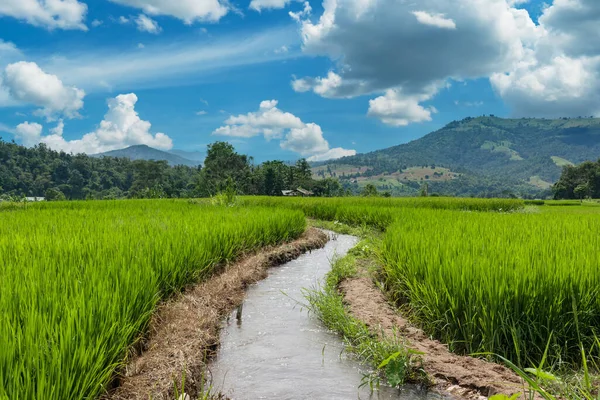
(80, 280)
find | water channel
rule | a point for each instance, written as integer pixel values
(279, 351)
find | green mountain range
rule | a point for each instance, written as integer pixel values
(143, 152)
(476, 156)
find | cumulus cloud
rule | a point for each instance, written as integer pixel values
(147, 24)
(188, 11)
(332, 154)
(29, 133)
(27, 82)
(395, 108)
(121, 127)
(561, 74)
(8, 53)
(551, 68)
(307, 140)
(271, 122)
(417, 45)
(50, 14)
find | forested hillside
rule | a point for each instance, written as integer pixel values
(519, 155)
(39, 171)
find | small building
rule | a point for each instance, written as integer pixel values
(304, 192)
(34, 199)
(297, 192)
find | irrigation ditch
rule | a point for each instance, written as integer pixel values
(246, 334)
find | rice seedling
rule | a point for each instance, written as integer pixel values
(80, 280)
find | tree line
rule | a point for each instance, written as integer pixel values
(42, 172)
(579, 182)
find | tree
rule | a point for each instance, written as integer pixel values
(369, 191)
(222, 162)
(581, 191)
(54, 194)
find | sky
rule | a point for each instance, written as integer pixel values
(284, 79)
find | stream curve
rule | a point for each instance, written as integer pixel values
(278, 351)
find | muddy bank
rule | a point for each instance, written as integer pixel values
(460, 376)
(184, 332)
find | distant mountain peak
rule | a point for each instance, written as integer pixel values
(145, 152)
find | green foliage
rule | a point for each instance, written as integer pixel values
(34, 171)
(487, 152)
(54, 194)
(507, 284)
(74, 296)
(579, 182)
(369, 191)
(392, 356)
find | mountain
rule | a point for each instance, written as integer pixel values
(190, 155)
(143, 152)
(517, 154)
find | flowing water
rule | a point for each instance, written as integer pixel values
(278, 351)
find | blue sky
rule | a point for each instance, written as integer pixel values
(200, 80)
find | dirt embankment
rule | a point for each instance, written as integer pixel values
(460, 376)
(184, 332)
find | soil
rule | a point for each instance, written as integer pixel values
(459, 376)
(184, 332)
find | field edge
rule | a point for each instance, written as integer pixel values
(184, 330)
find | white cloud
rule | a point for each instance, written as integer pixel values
(395, 108)
(437, 20)
(268, 120)
(123, 20)
(387, 47)
(332, 154)
(561, 74)
(50, 14)
(29, 133)
(28, 83)
(297, 16)
(120, 128)
(201, 112)
(307, 140)
(271, 122)
(162, 64)
(96, 23)
(147, 24)
(59, 128)
(8, 53)
(259, 5)
(141, 46)
(188, 11)
(324, 86)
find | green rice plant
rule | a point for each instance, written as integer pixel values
(507, 284)
(80, 280)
